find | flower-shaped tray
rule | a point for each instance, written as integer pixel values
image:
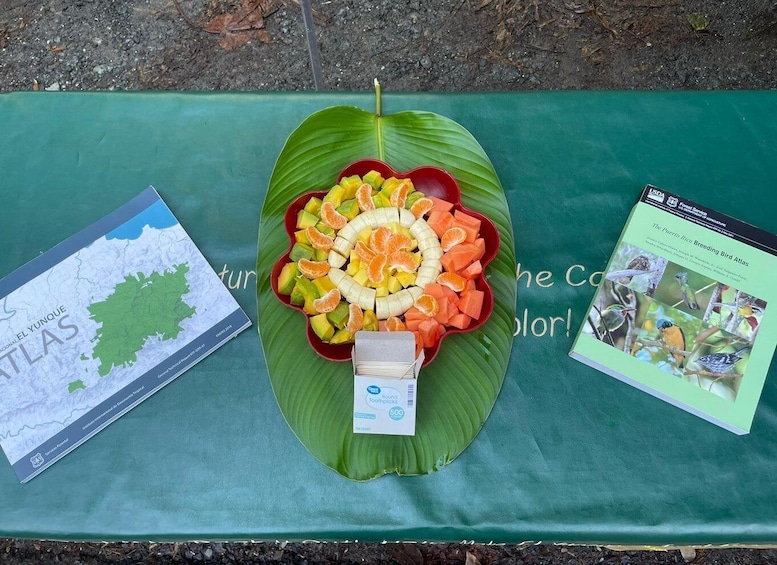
(432, 181)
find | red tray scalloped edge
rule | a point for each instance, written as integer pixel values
(432, 181)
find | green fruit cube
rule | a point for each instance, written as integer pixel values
(321, 327)
(373, 178)
(305, 219)
(301, 251)
(287, 278)
(349, 209)
(314, 206)
(339, 316)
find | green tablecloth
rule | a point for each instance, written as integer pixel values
(568, 454)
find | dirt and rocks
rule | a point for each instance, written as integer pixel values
(17, 552)
(409, 45)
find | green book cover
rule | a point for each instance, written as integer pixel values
(682, 309)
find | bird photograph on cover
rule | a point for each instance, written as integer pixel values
(636, 268)
(685, 289)
(616, 314)
(718, 363)
(666, 338)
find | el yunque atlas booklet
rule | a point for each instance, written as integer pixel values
(684, 311)
(94, 326)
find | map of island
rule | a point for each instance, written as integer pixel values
(94, 326)
(140, 307)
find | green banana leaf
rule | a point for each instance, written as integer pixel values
(457, 390)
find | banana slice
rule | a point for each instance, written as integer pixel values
(406, 218)
(405, 298)
(367, 298)
(391, 214)
(428, 242)
(415, 292)
(395, 305)
(382, 307)
(359, 222)
(433, 263)
(418, 229)
(349, 232)
(433, 252)
(336, 260)
(336, 275)
(342, 246)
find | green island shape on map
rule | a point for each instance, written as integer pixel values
(140, 307)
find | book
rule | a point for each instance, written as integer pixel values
(100, 322)
(684, 310)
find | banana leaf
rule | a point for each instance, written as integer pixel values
(457, 390)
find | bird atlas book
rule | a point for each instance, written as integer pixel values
(96, 325)
(684, 310)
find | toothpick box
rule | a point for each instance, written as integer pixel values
(384, 383)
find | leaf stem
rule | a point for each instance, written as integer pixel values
(378, 100)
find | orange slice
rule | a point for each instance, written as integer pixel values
(364, 197)
(355, 318)
(452, 236)
(332, 217)
(363, 252)
(453, 281)
(394, 324)
(403, 261)
(399, 196)
(318, 239)
(427, 304)
(379, 239)
(422, 206)
(376, 268)
(328, 302)
(397, 242)
(313, 269)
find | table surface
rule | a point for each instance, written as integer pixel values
(567, 455)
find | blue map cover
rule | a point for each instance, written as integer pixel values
(99, 323)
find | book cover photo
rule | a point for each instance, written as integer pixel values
(684, 311)
(100, 322)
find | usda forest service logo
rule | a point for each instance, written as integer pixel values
(36, 460)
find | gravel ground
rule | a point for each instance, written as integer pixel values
(409, 45)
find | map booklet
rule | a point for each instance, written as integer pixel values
(96, 325)
(687, 309)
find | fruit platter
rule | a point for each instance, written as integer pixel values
(386, 251)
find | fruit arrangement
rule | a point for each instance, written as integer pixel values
(378, 251)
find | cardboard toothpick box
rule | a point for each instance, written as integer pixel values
(385, 375)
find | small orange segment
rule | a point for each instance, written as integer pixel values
(427, 304)
(376, 270)
(318, 239)
(363, 252)
(364, 197)
(398, 242)
(453, 281)
(403, 261)
(355, 318)
(421, 207)
(328, 302)
(394, 324)
(452, 236)
(399, 195)
(332, 217)
(379, 239)
(313, 269)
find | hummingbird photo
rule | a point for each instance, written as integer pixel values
(687, 293)
(612, 317)
(673, 336)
